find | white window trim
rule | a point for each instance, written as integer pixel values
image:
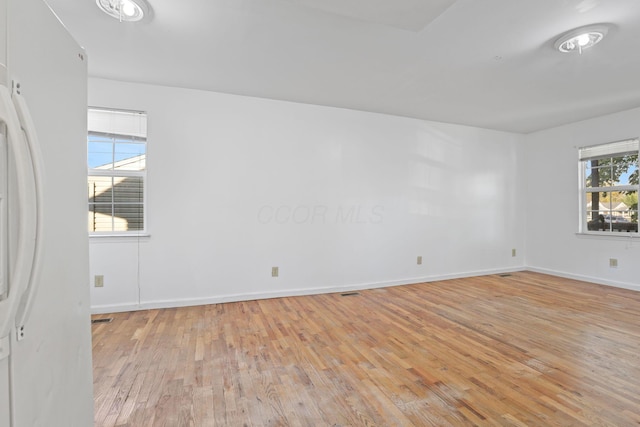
(117, 234)
(137, 133)
(626, 146)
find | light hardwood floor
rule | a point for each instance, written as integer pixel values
(524, 350)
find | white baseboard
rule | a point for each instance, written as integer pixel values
(599, 281)
(115, 308)
(148, 305)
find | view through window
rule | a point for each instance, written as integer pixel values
(117, 149)
(609, 175)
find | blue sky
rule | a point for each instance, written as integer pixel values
(103, 150)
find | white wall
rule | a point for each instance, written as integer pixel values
(337, 199)
(552, 205)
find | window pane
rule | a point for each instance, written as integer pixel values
(115, 203)
(604, 175)
(631, 202)
(617, 211)
(100, 217)
(592, 211)
(128, 217)
(116, 217)
(598, 173)
(614, 201)
(612, 171)
(130, 155)
(626, 170)
(100, 189)
(597, 221)
(100, 153)
(128, 194)
(128, 190)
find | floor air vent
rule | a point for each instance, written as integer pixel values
(349, 294)
(505, 275)
(107, 320)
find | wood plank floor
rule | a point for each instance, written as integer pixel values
(524, 350)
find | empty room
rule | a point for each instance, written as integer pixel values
(319, 213)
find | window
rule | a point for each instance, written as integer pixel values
(117, 149)
(609, 195)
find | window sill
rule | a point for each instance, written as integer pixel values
(615, 235)
(119, 236)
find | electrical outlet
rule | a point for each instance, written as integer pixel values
(420, 260)
(98, 281)
(513, 252)
(613, 262)
(275, 271)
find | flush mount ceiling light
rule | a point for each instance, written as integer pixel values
(581, 38)
(124, 10)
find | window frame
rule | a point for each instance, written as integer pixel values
(120, 173)
(608, 150)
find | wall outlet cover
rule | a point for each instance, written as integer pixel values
(98, 281)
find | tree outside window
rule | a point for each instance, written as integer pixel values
(610, 187)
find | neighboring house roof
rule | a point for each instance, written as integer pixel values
(135, 163)
(621, 207)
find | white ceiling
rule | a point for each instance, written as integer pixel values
(486, 63)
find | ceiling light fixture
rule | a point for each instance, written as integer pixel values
(124, 10)
(581, 38)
